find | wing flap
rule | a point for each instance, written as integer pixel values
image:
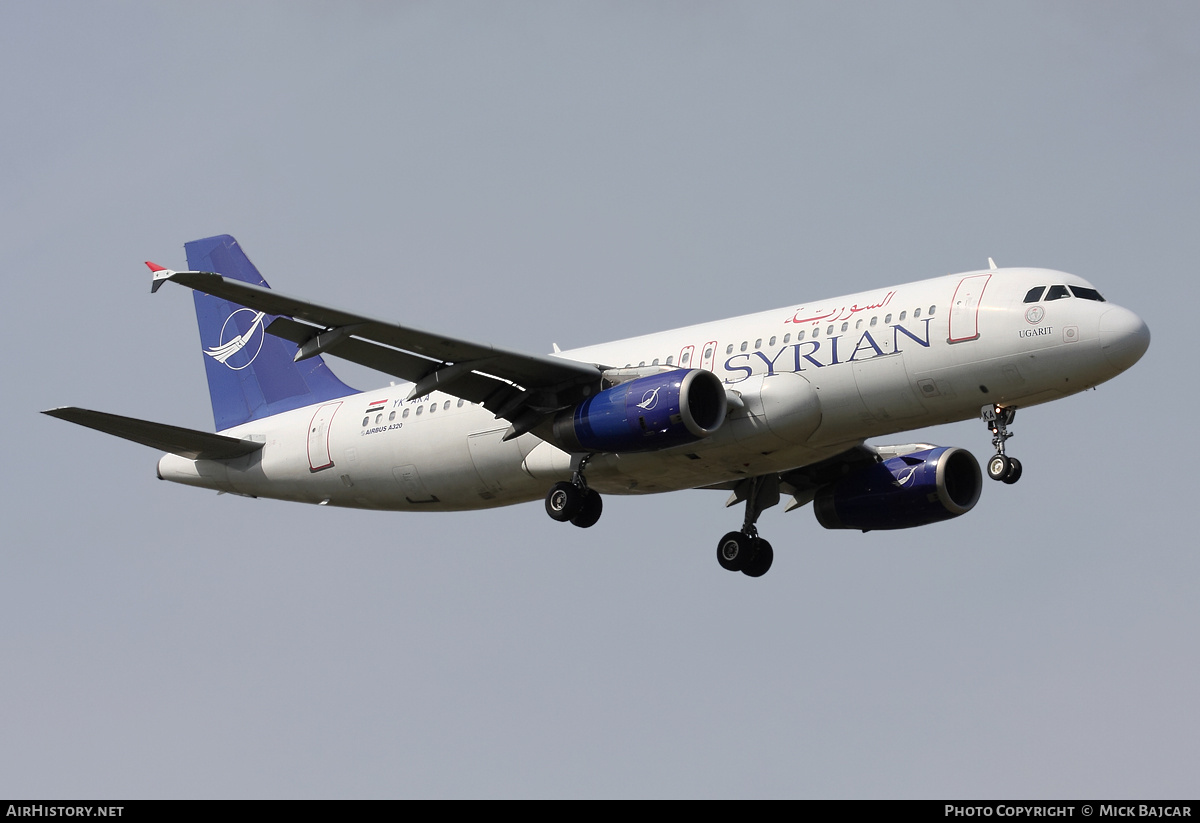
(189, 443)
(472, 386)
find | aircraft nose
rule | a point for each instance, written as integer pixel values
(1124, 337)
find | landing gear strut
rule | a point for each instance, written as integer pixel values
(745, 551)
(1001, 466)
(574, 501)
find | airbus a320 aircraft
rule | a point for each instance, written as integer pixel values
(766, 406)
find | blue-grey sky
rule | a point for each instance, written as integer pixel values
(537, 173)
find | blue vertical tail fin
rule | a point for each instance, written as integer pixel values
(251, 374)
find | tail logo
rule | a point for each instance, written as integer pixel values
(240, 350)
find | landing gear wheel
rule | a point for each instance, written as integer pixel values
(761, 563)
(998, 467)
(564, 501)
(1001, 467)
(589, 510)
(733, 551)
(1014, 471)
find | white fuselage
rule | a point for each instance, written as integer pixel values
(807, 382)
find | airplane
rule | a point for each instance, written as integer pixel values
(766, 406)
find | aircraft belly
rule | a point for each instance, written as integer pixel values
(426, 466)
(437, 464)
(498, 464)
(675, 469)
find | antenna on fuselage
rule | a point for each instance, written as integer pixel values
(991, 264)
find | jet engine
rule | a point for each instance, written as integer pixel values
(910, 490)
(645, 414)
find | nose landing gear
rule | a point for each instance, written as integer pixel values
(1001, 466)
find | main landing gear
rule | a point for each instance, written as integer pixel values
(574, 501)
(1001, 466)
(745, 551)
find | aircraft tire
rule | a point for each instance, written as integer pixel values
(589, 510)
(563, 501)
(761, 562)
(1014, 471)
(733, 551)
(998, 467)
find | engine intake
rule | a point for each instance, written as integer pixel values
(901, 492)
(645, 414)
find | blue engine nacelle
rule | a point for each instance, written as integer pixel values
(645, 414)
(902, 492)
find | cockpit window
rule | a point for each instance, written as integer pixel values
(1085, 293)
(1034, 294)
(1057, 293)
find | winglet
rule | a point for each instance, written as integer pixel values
(160, 276)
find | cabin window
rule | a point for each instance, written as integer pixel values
(787, 338)
(858, 325)
(654, 362)
(1087, 294)
(758, 343)
(829, 331)
(815, 330)
(932, 309)
(874, 320)
(446, 406)
(432, 408)
(392, 416)
(460, 402)
(404, 414)
(1056, 293)
(729, 349)
(799, 335)
(708, 354)
(771, 342)
(916, 314)
(845, 326)
(366, 420)
(672, 357)
(1034, 294)
(903, 315)
(686, 358)
(887, 319)
(745, 345)
(378, 419)
(419, 410)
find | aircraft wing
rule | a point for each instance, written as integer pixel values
(189, 443)
(521, 388)
(803, 482)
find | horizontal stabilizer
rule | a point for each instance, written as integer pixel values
(189, 443)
